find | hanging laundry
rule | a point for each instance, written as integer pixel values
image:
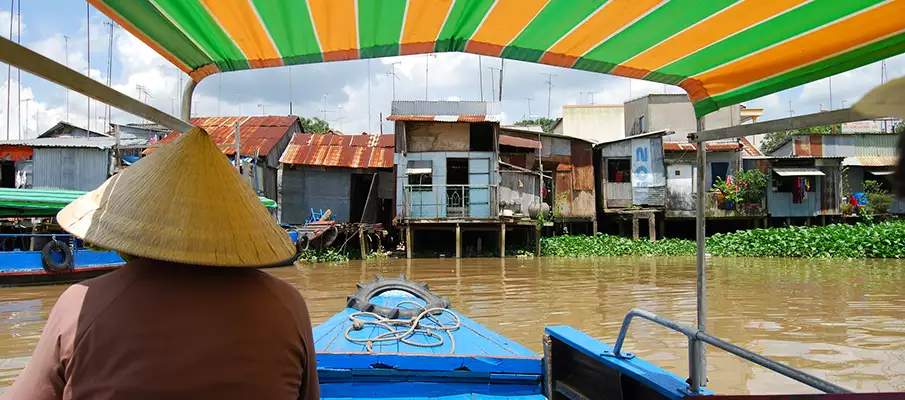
(798, 191)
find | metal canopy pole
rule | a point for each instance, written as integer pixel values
(185, 109)
(28, 60)
(698, 363)
(785, 124)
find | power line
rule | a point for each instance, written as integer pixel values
(108, 115)
(88, 33)
(481, 76)
(9, 70)
(68, 91)
(492, 91)
(369, 95)
(394, 77)
(549, 92)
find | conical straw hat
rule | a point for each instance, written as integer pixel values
(886, 100)
(183, 203)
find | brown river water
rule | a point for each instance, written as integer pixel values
(843, 320)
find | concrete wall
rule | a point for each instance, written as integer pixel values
(673, 112)
(597, 123)
(70, 168)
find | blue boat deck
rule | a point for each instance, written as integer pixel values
(482, 365)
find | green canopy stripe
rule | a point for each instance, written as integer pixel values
(379, 33)
(192, 17)
(461, 23)
(658, 25)
(291, 29)
(556, 20)
(785, 26)
(831, 66)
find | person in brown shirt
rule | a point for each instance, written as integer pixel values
(189, 317)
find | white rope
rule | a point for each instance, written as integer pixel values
(412, 326)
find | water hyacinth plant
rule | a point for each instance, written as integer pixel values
(879, 240)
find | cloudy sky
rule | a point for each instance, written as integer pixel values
(350, 94)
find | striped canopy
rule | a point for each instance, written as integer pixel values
(721, 52)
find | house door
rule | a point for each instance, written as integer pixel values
(618, 187)
(479, 188)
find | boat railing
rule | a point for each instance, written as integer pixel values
(697, 337)
(28, 239)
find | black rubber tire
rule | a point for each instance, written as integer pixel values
(361, 300)
(49, 264)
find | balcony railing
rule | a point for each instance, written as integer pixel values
(449, 201)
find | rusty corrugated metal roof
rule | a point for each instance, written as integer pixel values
(256, 134)
(519, 141)
(346, 151)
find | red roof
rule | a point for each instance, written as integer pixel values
(348, 151)
(744, 145)
(256, 134)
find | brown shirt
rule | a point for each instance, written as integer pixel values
(154, 330)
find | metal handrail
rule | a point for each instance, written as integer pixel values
(696, 335)
(461, 206)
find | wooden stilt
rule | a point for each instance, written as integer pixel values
(502, 240)
(364, 245)
(788, 221)
(634, 227)
(823, 220)
(409, 242)
(537, 233)
(652, 227)
(458, 241)
(663, 227)
(594, 227)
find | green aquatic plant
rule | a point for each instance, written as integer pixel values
(324, 255)
(879, 240)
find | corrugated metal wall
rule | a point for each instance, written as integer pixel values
(418, 107)
(652, 190)
(70, 168)
(519, 190)
(844, 145)
(304, 189)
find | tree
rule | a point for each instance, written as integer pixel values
(314, 125)
(545, 123)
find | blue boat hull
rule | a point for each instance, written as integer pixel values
(18, 268)
(483, 364)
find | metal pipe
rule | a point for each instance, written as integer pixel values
(697, 335)
(28, 60)
(693, 381)
(548, 366)
(699, 374)
(185, 109)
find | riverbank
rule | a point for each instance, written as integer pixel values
(877, 240)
